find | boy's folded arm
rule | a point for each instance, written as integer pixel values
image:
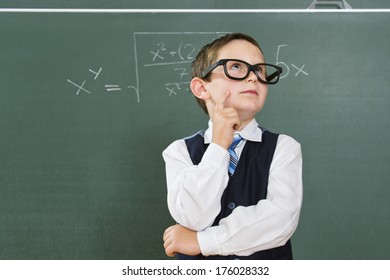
(194, 191)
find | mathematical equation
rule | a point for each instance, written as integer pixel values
(168, 62)
(110, 88)
(169, 58)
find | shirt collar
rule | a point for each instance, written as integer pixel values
(251, 132)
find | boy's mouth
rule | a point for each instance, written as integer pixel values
(252, 92)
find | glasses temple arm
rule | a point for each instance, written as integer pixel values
(273, 75)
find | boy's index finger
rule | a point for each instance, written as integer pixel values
(220, 103)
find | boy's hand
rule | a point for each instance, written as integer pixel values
(179, 239)
(225, 121)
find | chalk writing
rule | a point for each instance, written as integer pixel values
(183, 53)
(167, 63)
(110, 88)
(174, 88)
(286, 68)
(96, 73)
(79, 87)
(300, 70)
(169, 59)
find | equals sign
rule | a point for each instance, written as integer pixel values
(112, 87)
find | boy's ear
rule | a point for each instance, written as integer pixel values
(198, 88)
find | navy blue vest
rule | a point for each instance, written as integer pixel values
(245, 188)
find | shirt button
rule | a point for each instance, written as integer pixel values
(231, 205)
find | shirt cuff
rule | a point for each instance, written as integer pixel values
(216, 156)
(208, 242)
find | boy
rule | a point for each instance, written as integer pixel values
(225, 209)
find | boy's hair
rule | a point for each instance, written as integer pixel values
(208, 55)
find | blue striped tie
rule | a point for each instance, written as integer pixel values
(233, 156)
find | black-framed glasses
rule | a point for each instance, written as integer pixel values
(237, 69)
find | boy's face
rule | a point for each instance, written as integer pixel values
(246, 96)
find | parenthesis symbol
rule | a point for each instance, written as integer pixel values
(181, 57)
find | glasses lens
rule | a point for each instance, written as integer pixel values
(271, 74)
(236, 69)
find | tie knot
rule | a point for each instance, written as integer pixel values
(236, 139)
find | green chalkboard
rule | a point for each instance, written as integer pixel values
(88, 102)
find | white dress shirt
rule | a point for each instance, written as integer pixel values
(195, 191)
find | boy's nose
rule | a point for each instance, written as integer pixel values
(252, 77)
